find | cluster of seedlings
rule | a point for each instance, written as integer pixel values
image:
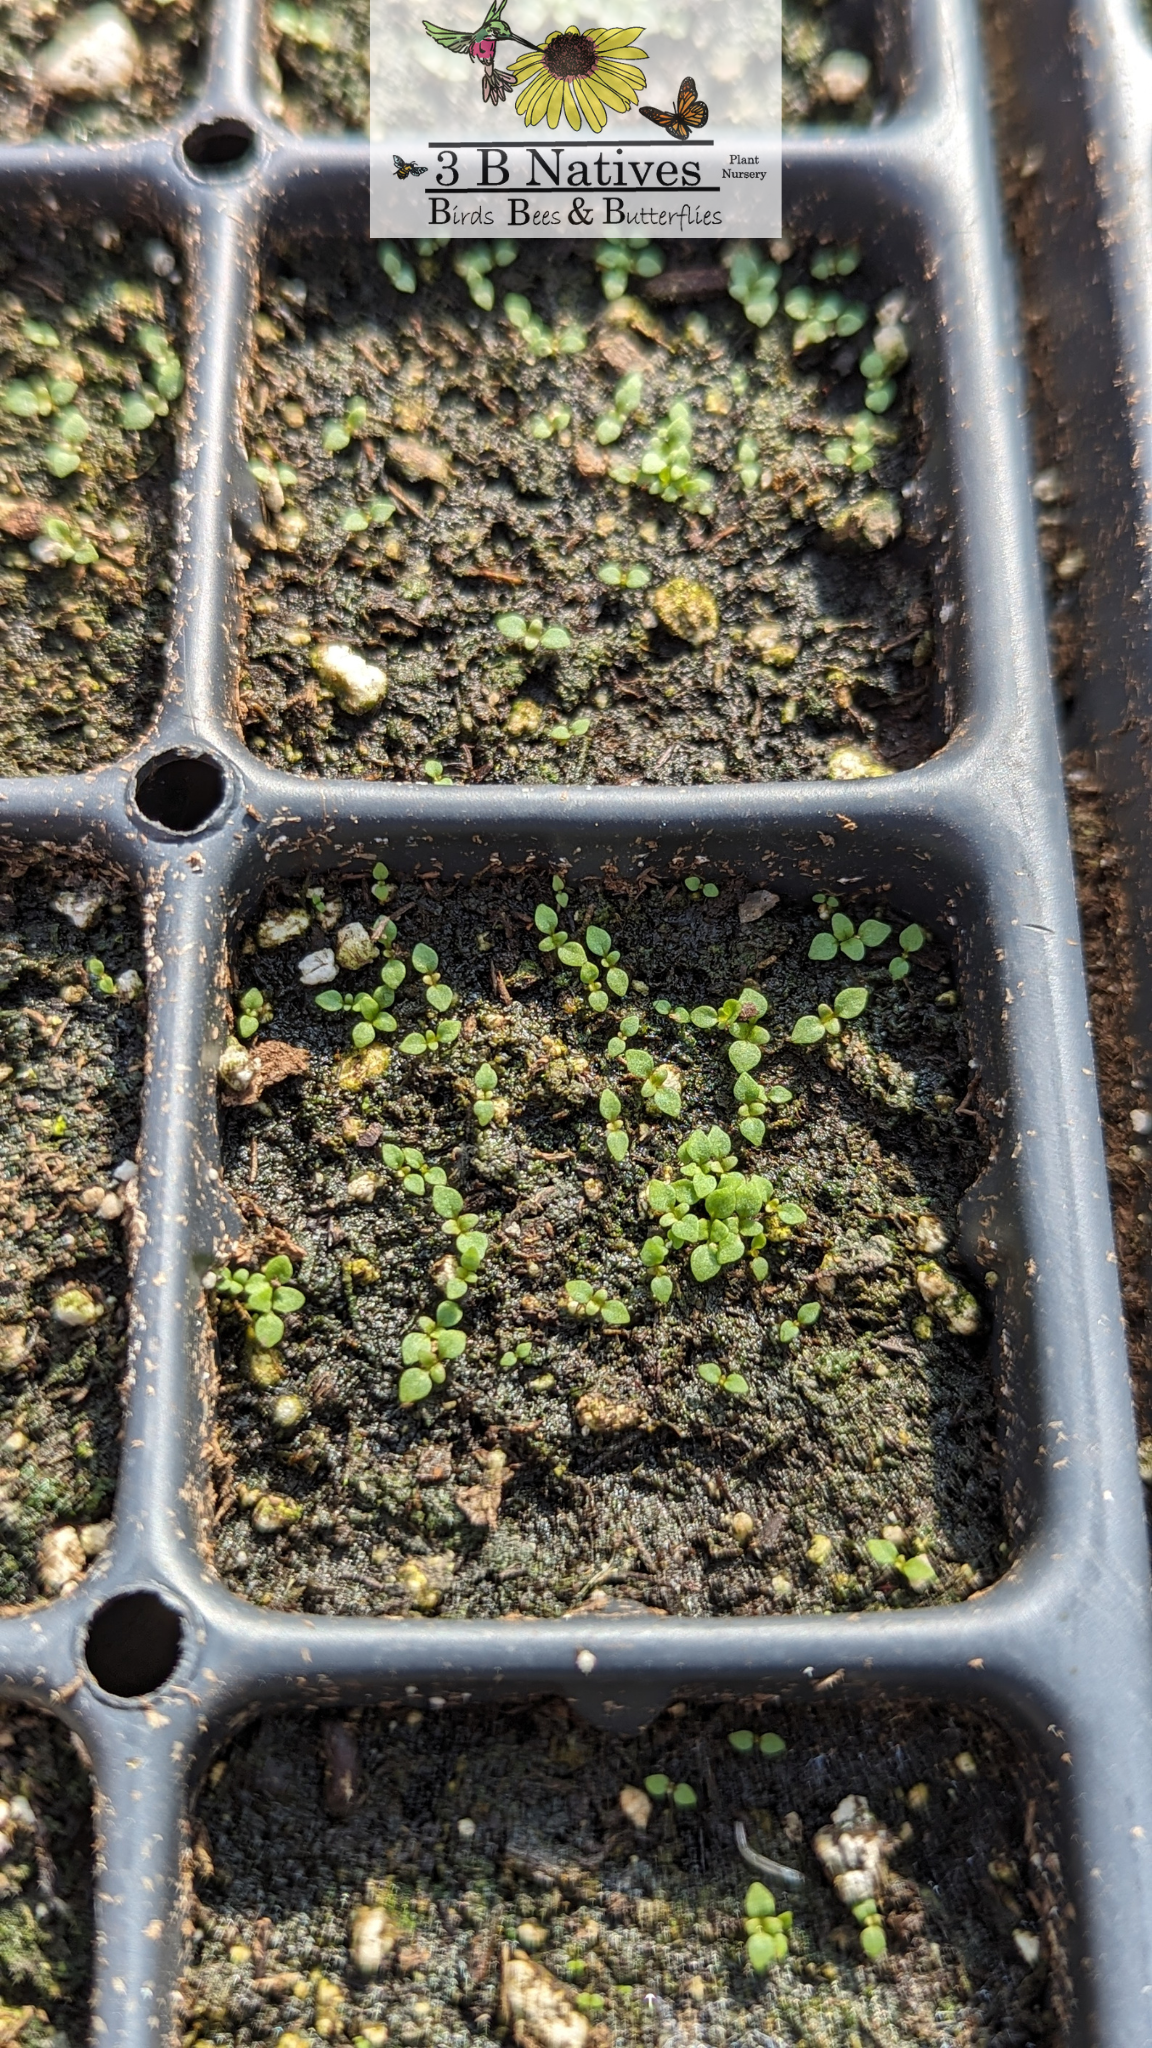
(71, 1060)
(90, 378)
(429, 1874)
(617, 512)
(605, 1258)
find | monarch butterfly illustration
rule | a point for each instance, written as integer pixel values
(690, 113)
(404, 170)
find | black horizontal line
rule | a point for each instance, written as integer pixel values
(567, 191)
(644, 143)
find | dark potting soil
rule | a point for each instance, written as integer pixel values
(562, 1459)
(72, 1058)
(417, 1877)
(45, 1882)
(94, 74)
(317, 72)
(86, 453)
(463, 569)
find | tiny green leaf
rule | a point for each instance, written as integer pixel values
(415, 1385)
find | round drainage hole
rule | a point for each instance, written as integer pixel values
(218, 145)
(133, 1644)
(180, 791)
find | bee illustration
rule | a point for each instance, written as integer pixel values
(404, 170)
(690, 113)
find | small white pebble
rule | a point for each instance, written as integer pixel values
(161, 260)
(80, 906)
(129, 984)
(127, 1170)
(1141, 1121)
(844, 75)
(438, 1705)
(585, 1661)
(465, 1829)
(357, 685)
(317, 967)
(94, 54)
(277, 931)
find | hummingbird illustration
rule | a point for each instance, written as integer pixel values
(481, 45)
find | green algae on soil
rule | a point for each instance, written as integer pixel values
(564, 1460)
(89, 377)
(316, 79)
(45, 1883)
(158, 53)
(484, 1845)
(436, 477)
(71, 1061)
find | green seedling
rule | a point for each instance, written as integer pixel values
(843, 936)
(767, 1931)
(744, 1742)
(729, 1382)
(62, 541)
(829, 1021)
(872, 1937)
(427, 1351)
(667, 469)
(881, 364)
(396, 267)
(696, 886)
(617, 577)
(912, 939)
(575, 729)
(618, 261)
(434, 770)
(373, 1012)
(821, 316)
(532, 634)
(475, 263)
(349, 427)
(855, 446)
(543, 425)
(658, 1786)
(264, 1298)
(806, 1315)
(661, 1082)
(753, 1101)
(517, 1354)
(752, 282)
(596, 954)
(411, 1169)
(570, 339)
(580, 1298)
(254, 1010)
(628, 395)
(615, 1136)
(382, 888)
(99, 976)
(487, 1105)
(378, 513)
(915, 1569)
(832, 261)
(741, 1213)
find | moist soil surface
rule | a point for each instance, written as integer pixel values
(153, 52)
(563, 1460)
(492, 1845)
(316, 79)
(86, 457)
(433, 483)
(70, 1067)
(45, 1883)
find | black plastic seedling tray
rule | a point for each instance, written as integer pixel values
(150, 1660)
